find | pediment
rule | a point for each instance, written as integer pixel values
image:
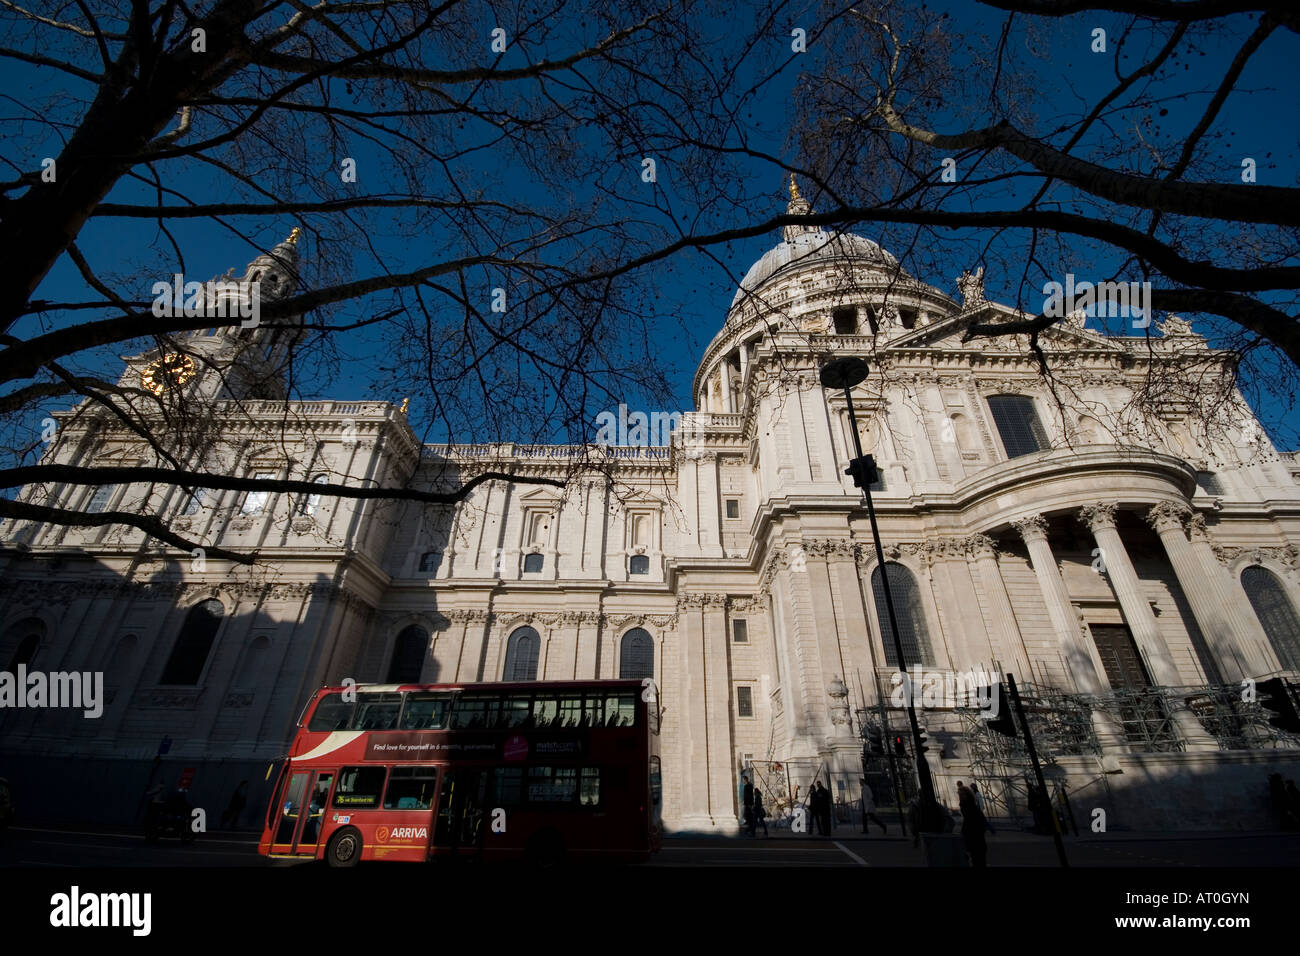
(540, 497)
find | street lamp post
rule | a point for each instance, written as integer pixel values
(845, 373)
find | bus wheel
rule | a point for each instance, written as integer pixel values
(545, 849)
(344, 848)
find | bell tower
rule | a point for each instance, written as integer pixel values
(243, 361)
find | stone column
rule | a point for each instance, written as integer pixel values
(1078, 658)
(726, 387)
(1204, 593)
(693, 715)
(1006, 638)
(1251, 644)
(1100, 519)
(718, 704)
(710, 504)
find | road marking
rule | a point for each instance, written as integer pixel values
(861, 862)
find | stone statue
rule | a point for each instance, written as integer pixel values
(971, 286)
(1174, 325)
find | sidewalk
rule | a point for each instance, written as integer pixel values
(1004, 832)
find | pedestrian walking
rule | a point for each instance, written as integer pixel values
(972, 826)
(828, 822)
(979, 802)
(869, 810)
(759, 815)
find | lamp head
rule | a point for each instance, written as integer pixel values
(844, 372)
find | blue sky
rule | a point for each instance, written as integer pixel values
(693, 289)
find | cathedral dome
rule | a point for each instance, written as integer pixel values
(811, 247)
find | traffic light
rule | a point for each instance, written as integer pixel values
(1002, 723)
(863, 471)
(876, 743)
(922, 740)
(899, 749)
(1275, 695)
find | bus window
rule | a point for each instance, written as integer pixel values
(656, 781)
(515, 710)
(332, 713)
(507, 786)
(425, 711)
(475, 712)
(376, 712)
(411, 788)
(359, 788)
(546, 712)
(570, 711)
(593, 712)
(620, 710)
(589, 789)
(552, 784)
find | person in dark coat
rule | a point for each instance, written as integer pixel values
(824, 796)
(749, 805)
(972, 826)
(759, 815)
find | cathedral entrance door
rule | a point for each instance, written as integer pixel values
(1146, 719)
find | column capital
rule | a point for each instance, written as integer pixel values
(1099, 516)
(1167, 516)
(980, 545)
(1031, 528)
(1196, 528)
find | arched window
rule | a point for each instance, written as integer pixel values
(638, 564)
(533, 563)
(254, 664)
(636, 659)
(1018, 425)
(311, 503)
(911, 618)
(30, 632)
(521, 655)
(409, 651)
(255, 501)
(1276, 613)
(194, 644)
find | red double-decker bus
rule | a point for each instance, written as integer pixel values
(539, 771)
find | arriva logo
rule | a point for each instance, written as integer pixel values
(386, 834)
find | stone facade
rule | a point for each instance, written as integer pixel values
(741, 549)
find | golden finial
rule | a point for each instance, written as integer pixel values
(293, 236)
(406, 403)
(794, 188)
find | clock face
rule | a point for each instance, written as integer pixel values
(169, 371)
